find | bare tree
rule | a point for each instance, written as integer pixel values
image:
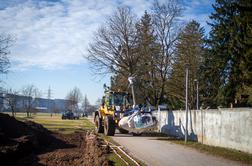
(85, 104)
(30, 93)
(36, 95)
(55, 110)
(98, 103)
(11, 98)
(5, 43)
(113, 46)
(73, 98)
(165, 19)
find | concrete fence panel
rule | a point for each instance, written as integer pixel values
(231, 128)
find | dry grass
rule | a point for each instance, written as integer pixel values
(55, 123)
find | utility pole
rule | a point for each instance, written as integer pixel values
(186, 99)
(49, 95)
(197, 95)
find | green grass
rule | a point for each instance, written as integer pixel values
(55, 123)
(115, 160)
(114, 157)
(227, 153)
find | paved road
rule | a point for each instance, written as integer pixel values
(155, 152)
(164, 153)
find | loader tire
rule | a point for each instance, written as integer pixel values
(109, 126)
(123, 131)
(98, 125)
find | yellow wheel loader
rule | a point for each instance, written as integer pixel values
(111, 111)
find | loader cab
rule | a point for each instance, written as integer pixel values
(122, 99)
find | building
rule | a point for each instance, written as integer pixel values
(21, 103)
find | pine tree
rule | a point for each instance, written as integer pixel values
(189, 50)
(146, 81)
(147, 48)
(230, 51)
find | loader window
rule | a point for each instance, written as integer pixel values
(118, 99)
(108, 100)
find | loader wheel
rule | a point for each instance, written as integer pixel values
(98, 125)
(123, 131)
(109, 126)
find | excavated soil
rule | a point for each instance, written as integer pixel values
(29, 143)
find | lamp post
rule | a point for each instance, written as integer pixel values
(197, 95)
(131, 79)
(186, 99)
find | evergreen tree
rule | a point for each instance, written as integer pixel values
(147, 48)
(230, 52)
(146, 81)
(189, 50)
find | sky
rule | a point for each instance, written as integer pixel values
(52, 36)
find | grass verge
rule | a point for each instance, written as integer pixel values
(55, 123)
(115, 160)
(115, 157)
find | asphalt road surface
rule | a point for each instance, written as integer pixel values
(165, 153)
(154, 152)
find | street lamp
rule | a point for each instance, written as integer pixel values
(131, 79)
(197, 95)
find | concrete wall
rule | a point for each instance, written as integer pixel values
(231, 128)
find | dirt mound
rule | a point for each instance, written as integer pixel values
(11, 129)
(29, 143)
(18, 138)
(87, 151)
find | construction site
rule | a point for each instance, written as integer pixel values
(125, 83)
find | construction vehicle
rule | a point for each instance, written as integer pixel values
(120, 106)
(114, 104)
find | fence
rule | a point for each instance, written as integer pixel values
(231, 128)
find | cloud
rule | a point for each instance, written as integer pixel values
(198, 10)
(53, 34)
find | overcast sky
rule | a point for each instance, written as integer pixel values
(52, 38)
